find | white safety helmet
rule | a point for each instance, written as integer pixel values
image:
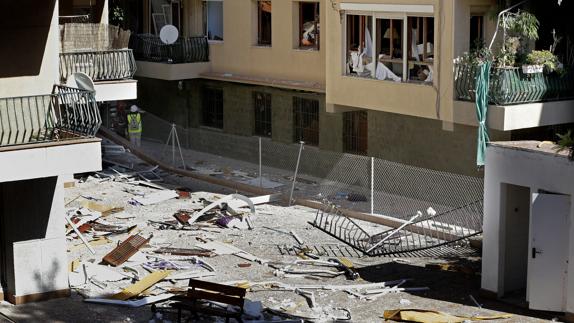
(134, 108)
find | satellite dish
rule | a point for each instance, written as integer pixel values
(81, 81)
(168, 34)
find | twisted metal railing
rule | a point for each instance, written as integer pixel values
(67, 113)
(103, 65)
(149, 47)
(512, 86)
(429, 231)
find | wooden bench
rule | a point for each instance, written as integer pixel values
(199, 291)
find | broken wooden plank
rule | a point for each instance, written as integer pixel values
(145, 283)
(105, 210)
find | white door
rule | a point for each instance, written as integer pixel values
(548, 258)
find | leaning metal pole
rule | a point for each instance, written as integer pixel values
(296, 171)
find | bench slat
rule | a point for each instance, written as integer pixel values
(231, 300)
(224, 289)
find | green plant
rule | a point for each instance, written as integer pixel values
(508, 53)
(476, 56)
(566, 142)
(545, 58)
(118, 16)
(522, 23)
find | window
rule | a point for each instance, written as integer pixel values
(389, 49)
(420, 48)
(213, 19)
(306, 120)
(399, 48)
(309, 25)
(359, 45)
(212, 107)
(165, 12)
(476, 31)
(264, 23)
(355, 132)
(262, 106)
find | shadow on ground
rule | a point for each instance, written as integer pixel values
(453, 285)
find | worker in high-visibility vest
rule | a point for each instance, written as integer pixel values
(135, 126)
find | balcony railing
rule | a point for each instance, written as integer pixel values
(149, 47)
(104, 65)
(511, 86)
(67, 113)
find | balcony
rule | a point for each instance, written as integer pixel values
(516, 100)
(105, 65)
(66, 114)
(511, 86)
(100, 51)
(187, 58)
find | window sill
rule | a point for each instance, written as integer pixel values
(306, 49)
(261, 46)
(414, 83)
(215, 42)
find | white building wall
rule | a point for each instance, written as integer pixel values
(538, 171)
(49, 71)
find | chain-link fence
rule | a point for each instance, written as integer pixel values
(434, 207)
(361, 183)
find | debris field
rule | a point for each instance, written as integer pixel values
(144, 245)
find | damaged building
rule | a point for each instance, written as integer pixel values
(371, 78)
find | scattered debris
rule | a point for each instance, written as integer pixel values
(211, 294)
(156, 197)
(427, 316)
(142, 285)
(190, 228)
(185, 252)
(125, 250)
(104, 210)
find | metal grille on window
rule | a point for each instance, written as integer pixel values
(306, 120)
(355, 132)
(262, 106)
(212, 108)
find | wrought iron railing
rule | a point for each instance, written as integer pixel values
(511, 86)
(75, 19)
(105, 65)
(67, 113)
(149, 47)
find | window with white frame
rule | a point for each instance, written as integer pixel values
(390, 46)
(213, 19)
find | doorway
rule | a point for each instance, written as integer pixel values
(516, 210)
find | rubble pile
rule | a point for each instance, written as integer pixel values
(135, 240)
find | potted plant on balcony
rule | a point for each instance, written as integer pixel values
(538, 61)
(519, 28)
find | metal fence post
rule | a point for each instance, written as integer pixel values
(296, 171)
(372, 185)
(260, 165)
